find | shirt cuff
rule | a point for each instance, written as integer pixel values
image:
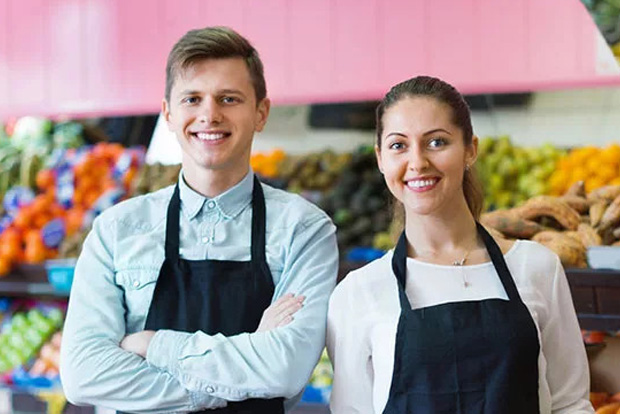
(164, 350)
(202, 401)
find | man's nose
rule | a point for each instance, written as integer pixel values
(211, 113)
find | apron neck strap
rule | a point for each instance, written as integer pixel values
(172, 225)
(258, 225)
(259, 221)
(399, 266)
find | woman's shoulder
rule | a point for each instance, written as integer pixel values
(369, 278)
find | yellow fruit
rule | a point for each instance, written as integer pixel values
(593, 183)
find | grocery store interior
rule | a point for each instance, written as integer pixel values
(80, 130)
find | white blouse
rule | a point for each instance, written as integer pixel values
(364, 311)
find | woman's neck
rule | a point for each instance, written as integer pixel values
(442, 237)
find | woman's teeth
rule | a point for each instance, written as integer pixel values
(421, 183)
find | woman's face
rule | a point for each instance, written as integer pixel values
(423, 156)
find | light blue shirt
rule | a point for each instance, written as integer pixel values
(113, 285)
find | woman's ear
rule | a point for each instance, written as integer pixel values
(471, 152)
(378, 156)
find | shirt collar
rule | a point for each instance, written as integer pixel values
(230, 203)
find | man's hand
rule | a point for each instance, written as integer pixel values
(280, 312)
(138, 342)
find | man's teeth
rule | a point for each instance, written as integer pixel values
(421, 183)
(210, 136)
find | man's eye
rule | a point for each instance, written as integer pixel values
(229, 99)
(190, 100)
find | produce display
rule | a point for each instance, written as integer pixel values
(72, 188)
(596, 167)
(605, 403)
(267, 164)
(25, 148)
(511, 174)
(567, 224)
(359, 202)
(25, 329)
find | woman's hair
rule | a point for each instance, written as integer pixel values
(426, 86)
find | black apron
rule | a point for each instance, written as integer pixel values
(215, 296)
(469, 357)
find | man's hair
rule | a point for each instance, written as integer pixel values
(214, 43)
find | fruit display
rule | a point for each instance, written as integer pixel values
(358, 201)
(267, 164)
(604, 403)
(567, 224)
(153, 177)
(511, 174)
(596, 167)
(26, 149)
(74, 186)
(313, 172)
(24, 331)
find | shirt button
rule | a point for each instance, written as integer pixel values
(211, 204)
(205, 240)
(210, 389)
(136, 283)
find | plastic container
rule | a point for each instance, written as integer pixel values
(604, 257)
(60, 273)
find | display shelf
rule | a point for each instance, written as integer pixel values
(596, 295)
(29, 280)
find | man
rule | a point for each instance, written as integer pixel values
(165, 310)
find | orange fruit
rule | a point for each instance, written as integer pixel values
(5, 266)
(45, 179)
(9, 249)
(23, 219)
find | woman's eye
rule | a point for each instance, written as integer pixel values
(396, 145)
(437, 142)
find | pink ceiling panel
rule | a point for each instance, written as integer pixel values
(266, 25)
(403, 31)
(108, 56)
(501, 41)
(67, 63)
(451, 37)
(356, 42)
(553, 34)
(5, 97)
(28, 53)
(310, 51)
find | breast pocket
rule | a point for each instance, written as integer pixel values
(138, 285)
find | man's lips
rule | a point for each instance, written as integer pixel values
(210, 135)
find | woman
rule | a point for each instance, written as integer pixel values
(451, 320)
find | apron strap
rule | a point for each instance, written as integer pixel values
(259, 261)
(259, 220)
(399, 266)
(499, 263)
(172, 226)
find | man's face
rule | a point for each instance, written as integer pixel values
(213, 112)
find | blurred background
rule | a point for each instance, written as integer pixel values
(81, 83)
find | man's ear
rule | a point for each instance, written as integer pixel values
(165, 110)
(262, 112)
